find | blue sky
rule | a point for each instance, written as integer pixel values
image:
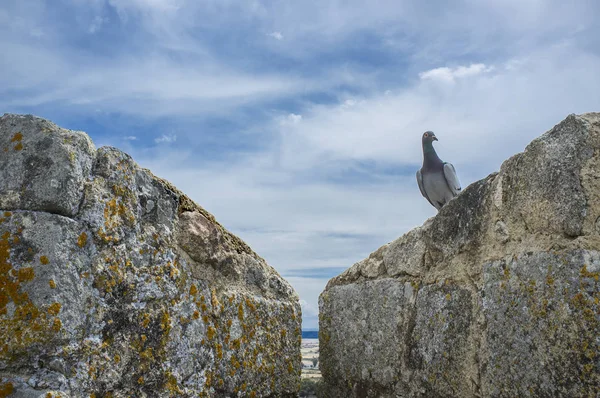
(298, 123)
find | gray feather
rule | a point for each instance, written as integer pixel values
(421, 188)
(451, 178)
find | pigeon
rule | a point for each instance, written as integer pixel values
(437, 180)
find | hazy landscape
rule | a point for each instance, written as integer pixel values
(311, 374)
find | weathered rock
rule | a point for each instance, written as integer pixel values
(496, 296)
(114, 283)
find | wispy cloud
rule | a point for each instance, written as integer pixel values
(166, 138)
(451, 74)
(276, 35)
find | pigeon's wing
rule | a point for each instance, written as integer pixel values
(420, 182)
(451, 178)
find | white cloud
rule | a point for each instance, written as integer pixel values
(451, 74)
(96, 24)
(166, 138)
(276, 35)
(291, 119)
(130, 138)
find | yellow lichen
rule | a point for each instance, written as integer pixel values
(17, 137)
(172, 385)
(213, 299)
(56, 325)
(54, 309)
(82, 240)
(6, 389)
(193, 290)
(211, 332)
(44, 260)
(26, 274)
(117, 358)
(586, 274)
(241, 311)
(165, 323)
(52, 284)
(147, 354)
(18, 147)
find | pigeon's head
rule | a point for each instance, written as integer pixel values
(429, 137)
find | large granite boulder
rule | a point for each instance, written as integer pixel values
(115, 284)
(498, 295)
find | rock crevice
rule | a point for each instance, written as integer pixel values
(508, 299)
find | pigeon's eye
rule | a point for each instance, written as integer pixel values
(426, 135)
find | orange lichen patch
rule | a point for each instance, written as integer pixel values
(141, 380)
(7, 214)
(17, 137)
(213, 299)
(146, 320)
(56, 325)
(172, 385)
(165, 323)
(25, 274)
(6, 389)
(18, 147)
(147, 354)
(211, 332)
(27, 324)
(241, 312)
(250, 305)
(54, 309)
(586, 274)
(196, 315)
(82, 240)
(44, 260)
(52, 284)
(193, 290)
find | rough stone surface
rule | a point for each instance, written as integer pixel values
(115, 284)
(496, 296)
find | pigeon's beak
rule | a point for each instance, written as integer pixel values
(434, 138)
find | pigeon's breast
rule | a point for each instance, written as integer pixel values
(436, 187)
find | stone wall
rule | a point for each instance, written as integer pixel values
(496, 296)
(115, 284)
